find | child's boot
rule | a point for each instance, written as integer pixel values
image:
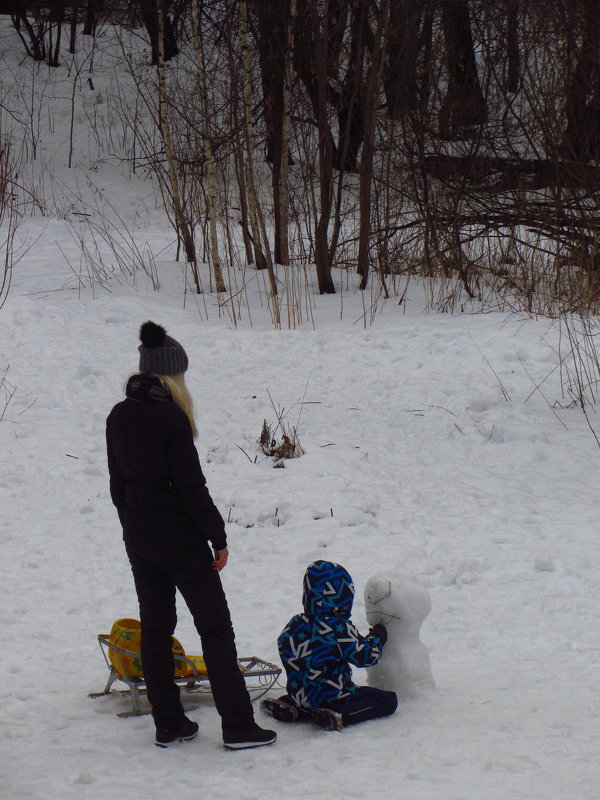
(328, 719)
(279, 709)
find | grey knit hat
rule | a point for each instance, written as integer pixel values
(160, 353)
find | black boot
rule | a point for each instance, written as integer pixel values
(250, 736)
(186, 731)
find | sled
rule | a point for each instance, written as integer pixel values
(190, 673)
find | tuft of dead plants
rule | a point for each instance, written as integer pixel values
(280, 441)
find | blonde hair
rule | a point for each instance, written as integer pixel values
(175, 384)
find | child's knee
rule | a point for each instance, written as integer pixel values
(390, 703)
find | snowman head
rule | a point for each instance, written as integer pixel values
(395, 598)
(378, 600)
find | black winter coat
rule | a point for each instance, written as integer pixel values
(156, 481)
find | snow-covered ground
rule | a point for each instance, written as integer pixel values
(427, 449)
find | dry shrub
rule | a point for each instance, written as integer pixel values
(280, 442)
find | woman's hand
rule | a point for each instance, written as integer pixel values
(221, 557)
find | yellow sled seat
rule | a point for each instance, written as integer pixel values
(187, 669)
(121, 649)
(125, 641)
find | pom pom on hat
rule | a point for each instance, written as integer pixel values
(152, 335)
(159, 353)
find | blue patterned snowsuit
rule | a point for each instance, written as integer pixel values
(318, 647)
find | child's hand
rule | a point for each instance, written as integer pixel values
(221, 557)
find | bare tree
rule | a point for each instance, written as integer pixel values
(513, 51)
(582, 136)
(9, 219)
(274, 40)
(159, 25)
(373, 86)
(184, 229)
(208, 148)
(409, 30)
(464, 106)
(259, 235)
(281, 199)
(323, 257)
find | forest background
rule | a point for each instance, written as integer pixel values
(454, 141)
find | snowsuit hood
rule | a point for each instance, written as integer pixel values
(327, 590)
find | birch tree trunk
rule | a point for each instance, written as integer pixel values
(284, 197)
(208, 150)
(263, 257)
(259, 256)
(183, 227)
(271, 36)
(244, 217)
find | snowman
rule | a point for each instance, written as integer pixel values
(398, 602)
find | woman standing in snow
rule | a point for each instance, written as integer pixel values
(169, 519)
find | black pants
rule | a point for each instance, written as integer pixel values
(366, 703)
(156, 578)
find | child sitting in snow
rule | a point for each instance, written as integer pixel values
(318, 648)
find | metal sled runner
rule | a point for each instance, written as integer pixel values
(191, 674)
